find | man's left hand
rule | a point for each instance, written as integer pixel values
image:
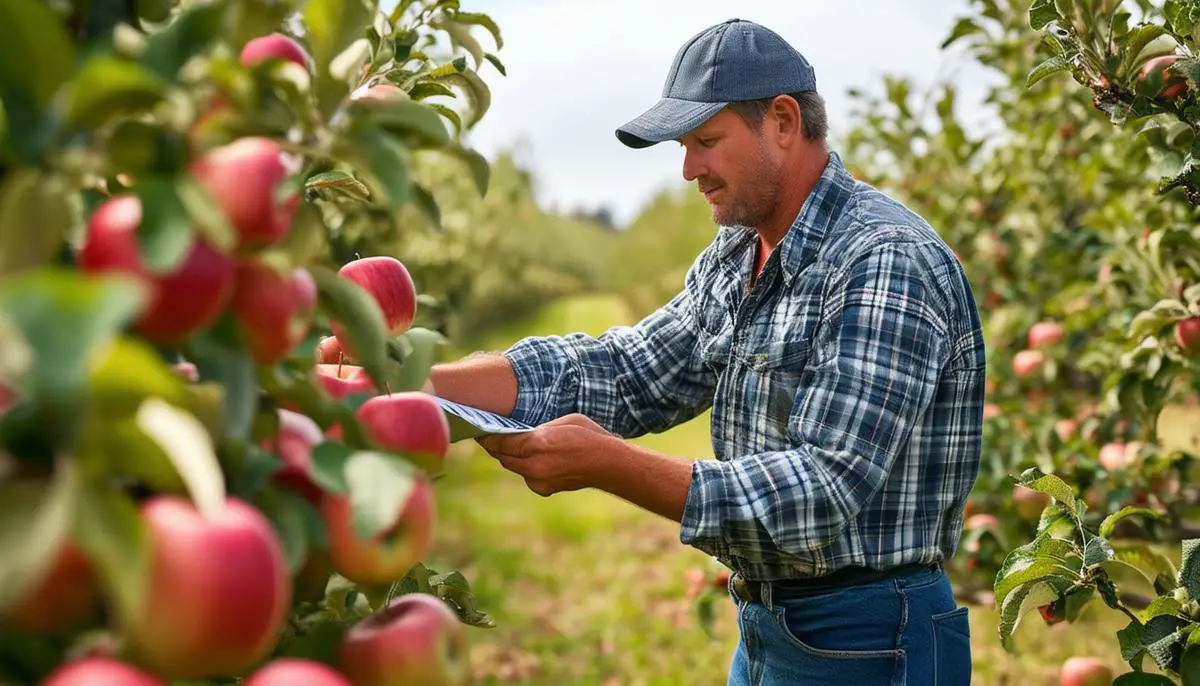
(560, 455)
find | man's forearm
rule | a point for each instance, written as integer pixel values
(483, 380)
(653, 481)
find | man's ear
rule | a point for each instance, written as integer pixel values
(787, 120)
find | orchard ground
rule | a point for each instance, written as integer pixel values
(587, 589)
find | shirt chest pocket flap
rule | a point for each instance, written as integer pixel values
(786, 354)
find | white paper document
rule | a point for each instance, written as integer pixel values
(469, 422)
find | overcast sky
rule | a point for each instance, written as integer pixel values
(577, 69)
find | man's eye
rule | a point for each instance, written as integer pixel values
(708, 142)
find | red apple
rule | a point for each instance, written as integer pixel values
(344, 380)
(1045, 334)
(991, 410)
(244, 178)
(417, 639)
(65, 594)
(695, 581)
(329, 351)
(273, 307)
(1187, 335)
(294, 444)
(1113, 456)
(980, 521)
(295, 671)
(218, 590)
(411, 423)
(273, 46)
(1085, 671)
(1065, 428)
(1173, 84)
(8, 398)
(99, 671)
(1030, 503)
(388, 280)
(381, 92)
(187, 299)
(389, 554)
(1026, 363)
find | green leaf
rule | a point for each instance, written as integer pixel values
(454, 589)
(379, 486)
(1110, 522)
(1164, 642)
(965, 26)
(352, 307)
(233, 370)
(332, 27)
(496, 63)
(423, 346)
(284, 510)
(428, 206)
(107, 88)
(476, 163)
(110, 529)
(165, 232)
(417, 124)
(1163, 605)
(428, 89)
(1023, 600)
(383, 158)
(1178, 14)
(185, 441)
(479, 95)
(1142, 679)
(129, 372)
(1189, 568)
(1049, 561)
(189, 35)
(460, 37)
(48, 302)
(1050, 485)
(337, 181)
(329, 466)
(1097, 551)
(1041, 13)
(480, 19)
(35, 216)
(1051, 66)
(35, 521)
(36, 54)
(1132, 646)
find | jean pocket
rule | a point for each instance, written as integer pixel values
(838, 645)
(951, 648)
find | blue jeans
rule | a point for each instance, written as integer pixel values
(905, 631)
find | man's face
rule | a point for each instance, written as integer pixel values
(735, 167)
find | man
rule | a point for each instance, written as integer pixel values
(836, 339)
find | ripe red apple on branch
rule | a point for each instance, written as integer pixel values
(1045, 334)
(1085, 671)
(100, 671)
(1187, 335)
(390, 553)
(411, 423)
(1026, 363)
(295, 672)
(416, 639)
(1173, 84)
(294, 444)
(65, 593)
(273, 306)
(244, 177)
(217, 593)
(273, 46)
(343, 380)
(388, 281)
(187, 299)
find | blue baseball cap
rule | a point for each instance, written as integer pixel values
(732, 61)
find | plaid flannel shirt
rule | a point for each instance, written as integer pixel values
(846, 388)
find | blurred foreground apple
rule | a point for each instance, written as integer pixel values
(417, 639)
(390, 553)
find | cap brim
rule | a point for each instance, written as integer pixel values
(667, 120)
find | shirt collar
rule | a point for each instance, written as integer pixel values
(820, 211)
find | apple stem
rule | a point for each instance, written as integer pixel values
(341, 358)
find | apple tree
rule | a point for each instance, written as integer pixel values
(215, 463)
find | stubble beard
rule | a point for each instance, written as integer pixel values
(757, 200)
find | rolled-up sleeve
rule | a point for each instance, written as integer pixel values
(631, 380)
(876, 359)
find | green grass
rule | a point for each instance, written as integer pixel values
(588, 589)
